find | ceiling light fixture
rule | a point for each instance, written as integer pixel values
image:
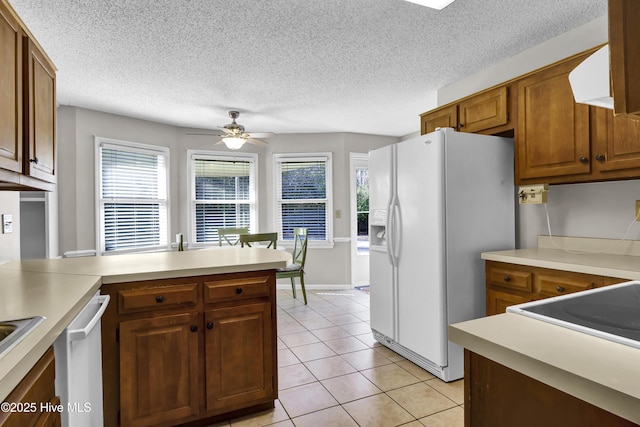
(433, 4)
(233, 142)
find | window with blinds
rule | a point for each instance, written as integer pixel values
(132, 187)
(303, 195)
(223, 194)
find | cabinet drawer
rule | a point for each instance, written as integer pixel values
(135, 300)
(236, 289)
(511, 278)
(554, 284)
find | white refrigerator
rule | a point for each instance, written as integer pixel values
(436, 202)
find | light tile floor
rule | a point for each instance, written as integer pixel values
(332, 372)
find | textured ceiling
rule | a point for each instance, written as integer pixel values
(368, 66)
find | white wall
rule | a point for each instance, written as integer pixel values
(10, 243)
(76, 185)
(581, 210)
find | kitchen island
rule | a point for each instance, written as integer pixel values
(528, 372)
(236, 285)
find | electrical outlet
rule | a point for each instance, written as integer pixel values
(533, 194)
(7, 223)
(637, 210)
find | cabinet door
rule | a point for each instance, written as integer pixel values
(446, 117)
(238, 356)
(40, 107)
(498, 301)
(35, 389)
(484, 111)
(616, 144)
(552, 136)
(10, 92)
(159, 369)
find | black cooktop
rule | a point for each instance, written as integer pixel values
(614, 310)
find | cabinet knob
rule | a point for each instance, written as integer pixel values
(238, 291)
(210, 325)
(159, 299)
(461, 125)
(560, 288)
(194, 328)
(34, 160)
(584, 160)
(507, 278)
(600, 157)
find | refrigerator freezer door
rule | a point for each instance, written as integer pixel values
(381, 294)
(421, 278)
(381, 271)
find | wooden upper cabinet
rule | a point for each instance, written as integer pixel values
(552, 136)
(445, 117)
(40, 104)
(624, 51)
(10, 91)
(27, 108)
(486, 110)
(615, 145)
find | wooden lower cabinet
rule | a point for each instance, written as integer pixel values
(159, 369)
(35, 393)
(189, 350)
(495, 395)
(238, 345)
(510, 284)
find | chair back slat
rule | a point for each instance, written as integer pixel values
(231, 235)
(300, 239)
(270, 238)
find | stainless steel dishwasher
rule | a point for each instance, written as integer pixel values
(78, 353)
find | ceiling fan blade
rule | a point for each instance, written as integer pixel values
(224, 129)
(256, 142)
(260, 134)
(202, 134)
(219, 142)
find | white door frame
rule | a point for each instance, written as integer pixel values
(358, 270)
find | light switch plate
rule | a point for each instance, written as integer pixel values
(7, 223)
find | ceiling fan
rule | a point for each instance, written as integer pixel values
(234, 135)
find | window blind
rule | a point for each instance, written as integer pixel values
(303, 196)
(133, 197)
(224, 195)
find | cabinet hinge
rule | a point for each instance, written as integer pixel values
(118, 335)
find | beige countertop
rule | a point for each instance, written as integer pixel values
(160, 265)
(59, 288)
(623, 266)
(601, 372)
(58, 297)
(602, 257)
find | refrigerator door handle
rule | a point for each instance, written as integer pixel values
(390, 231)
(397, 232)
(393, 231)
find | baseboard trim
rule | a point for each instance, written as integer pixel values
(316, 287)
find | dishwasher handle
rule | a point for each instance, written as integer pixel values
(80, 334)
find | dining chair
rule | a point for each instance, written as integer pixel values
(248, 239)
(227, 233)
(296, 269)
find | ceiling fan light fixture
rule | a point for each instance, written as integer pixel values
(234, 142)
(433, 4)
